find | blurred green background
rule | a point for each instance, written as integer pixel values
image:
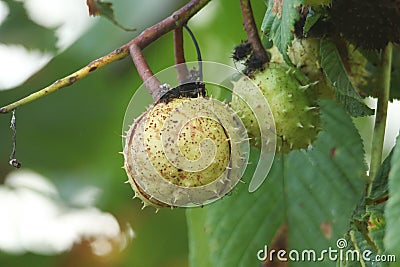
(73, 137)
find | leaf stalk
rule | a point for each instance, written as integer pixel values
(381, 113)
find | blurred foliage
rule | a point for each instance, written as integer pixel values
(367, 229)
(18, 28)
(73, 137)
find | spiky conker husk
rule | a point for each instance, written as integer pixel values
(304, 54)
(144, 144)
(367, 24)
(356, 67)
(292, 106)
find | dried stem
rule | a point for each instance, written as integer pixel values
(176, 20)
(13, 125)
(252, 32)
(179, 53)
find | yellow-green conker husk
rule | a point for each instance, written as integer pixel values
(150, 147)
(293, 107)
(356, 63)
(304, 54)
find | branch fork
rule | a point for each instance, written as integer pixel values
(134, 48)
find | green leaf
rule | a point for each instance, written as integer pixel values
(368, 224)
(323, 184)
(366, 234)
(196, 219)
(235, 227)
(311, 19)
(18, 28)
(314, 191)
(357, 242)
(380, 188)
(392, 213)
(99, 8)
(337, 76)
(355, 107)
(278, 23)
(376, 226)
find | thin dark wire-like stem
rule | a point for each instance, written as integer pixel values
(13, 125)
(196, 45)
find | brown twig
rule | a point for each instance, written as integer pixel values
(179, 53)
(252, 32)
(176, 20)
(150, 81)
